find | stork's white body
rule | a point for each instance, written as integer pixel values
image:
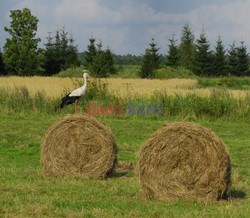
(75, 95)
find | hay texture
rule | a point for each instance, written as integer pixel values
(184, 161)
(78, 145)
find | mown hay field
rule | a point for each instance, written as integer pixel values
(56, 87)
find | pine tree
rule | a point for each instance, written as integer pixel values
(150, 61)
(243, 61)
(155, 57)
(102, 63)
(72, 54)
(90, 52)
(187, 48)
(172, 56)
(110, 63)
(203, 56)
(219, 59)
(147, 69)
(51, 65)
(232, 60)
(60, 53)
(21, 54)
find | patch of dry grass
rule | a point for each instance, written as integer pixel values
(56, 87)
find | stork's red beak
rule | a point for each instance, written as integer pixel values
(90, 78)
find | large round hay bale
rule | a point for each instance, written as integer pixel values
(78, 145)
(184, 161)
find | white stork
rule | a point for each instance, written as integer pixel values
(76, 94)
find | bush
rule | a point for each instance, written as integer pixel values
(71, 72)
(172, 72)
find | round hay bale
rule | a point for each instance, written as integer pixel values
(184, 161)
(78, 145)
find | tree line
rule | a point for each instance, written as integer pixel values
(22, 56)
(197, 56)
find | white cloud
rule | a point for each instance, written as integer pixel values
(129, 26)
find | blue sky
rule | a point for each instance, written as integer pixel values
(128, 25)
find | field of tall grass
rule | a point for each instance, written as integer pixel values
(56, 87)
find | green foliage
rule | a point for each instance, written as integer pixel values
(173, 55)
(2, 65)
(127, 59)
(127, 71)
(21, 55)
(225, 82)
(219, 61)
(187, 48)
(203, 56)
(99, 62)
(243, 61)
(90, 52)
(150, 61)
(60, 53)
(71, 72)
(173, 72)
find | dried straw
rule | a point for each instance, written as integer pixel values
(78, 145)
(184, 161)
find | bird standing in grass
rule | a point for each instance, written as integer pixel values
(75, 95)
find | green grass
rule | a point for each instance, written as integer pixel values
(25, 191)
(225, 82)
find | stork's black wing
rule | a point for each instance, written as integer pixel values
(68, 100)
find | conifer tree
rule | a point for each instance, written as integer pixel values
(232, 60)
(243, 60)
(172, 56)
(90, 52)
(187, 48)
(203, 56)
(155, 57)
(102, 63)
(219, 59)
(150, 61)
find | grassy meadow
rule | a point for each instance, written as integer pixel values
(27, 109)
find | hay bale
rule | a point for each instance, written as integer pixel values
(184, 161)
(78, 145)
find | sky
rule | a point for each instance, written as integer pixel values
(127, 26)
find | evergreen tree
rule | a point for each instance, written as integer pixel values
(172, 56)
(150, 61)
(21, 54)
(219, 59)
(147, 69)
(51, 65)
(90, 52)
(2, 65)
(72, 54)
(155, 57)
(243, 61)
(110, 63)
(232, 60)
(60, 53)
(203, 56)
(187, 48)
(102, 63)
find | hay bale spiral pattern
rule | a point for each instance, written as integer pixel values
(78, 145)
(184, 161)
